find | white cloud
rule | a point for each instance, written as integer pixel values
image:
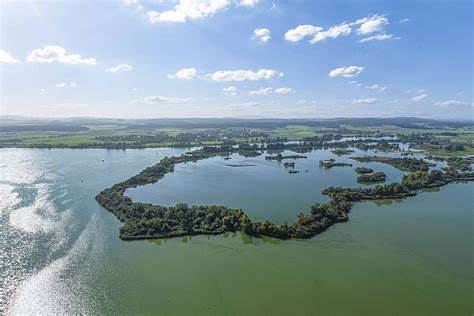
(188, 10)
(261, 91)
(185, 73)
(419, 97)
(284, 90)
(301, 31)
(42, 90)
(404, 20)
(130, 2)
(230, 90)
(247, 3)
(65, 84)
(160, 99)
(7, 58)
(135, 89)
(58, 54)
(263, 34)
(376, 87)
(241, 75)
(421, 91)
(379, 37)
(367, 101)
(347, 72)
(332, 32)
(451, 103)
(371, 24)
(367, 25)
(121, 67)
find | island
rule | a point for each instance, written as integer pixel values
(363, 170)
(405, 164)
(280, 157)
(371, 178)
(330, 163)
(148, 221)
(342, 152)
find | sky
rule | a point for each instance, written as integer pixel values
(237, 58)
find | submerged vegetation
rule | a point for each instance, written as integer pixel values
(145, 221)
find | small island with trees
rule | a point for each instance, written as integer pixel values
(371, 178)
(330, 163)
(363, 170)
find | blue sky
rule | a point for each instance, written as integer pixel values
(246, 58)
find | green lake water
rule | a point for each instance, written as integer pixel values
(61, 252)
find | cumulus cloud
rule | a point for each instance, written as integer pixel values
(419, 97)
(284, 90)
(371, 24)
(451, 103)
(347, 72)
(301, 31)
(160, 99)
(263, 34)
(7, 58)
(367, 101)
(379, 37)
(50, 54)
(332, 32)
(185, 73)
(188, 10)
(121, 67)
(230, 90)
(376, 87)
(367, 25)
(65, 84)
(242, 75)
(405, 20)
(261, 91)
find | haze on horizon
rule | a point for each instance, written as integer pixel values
(236, 58)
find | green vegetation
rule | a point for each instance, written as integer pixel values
(371, 178)
(405, 164)
(435, 137)
(145, 221)
(363, 170)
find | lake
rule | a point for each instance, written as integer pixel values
(61, 252)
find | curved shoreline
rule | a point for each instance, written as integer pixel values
(148, 221)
